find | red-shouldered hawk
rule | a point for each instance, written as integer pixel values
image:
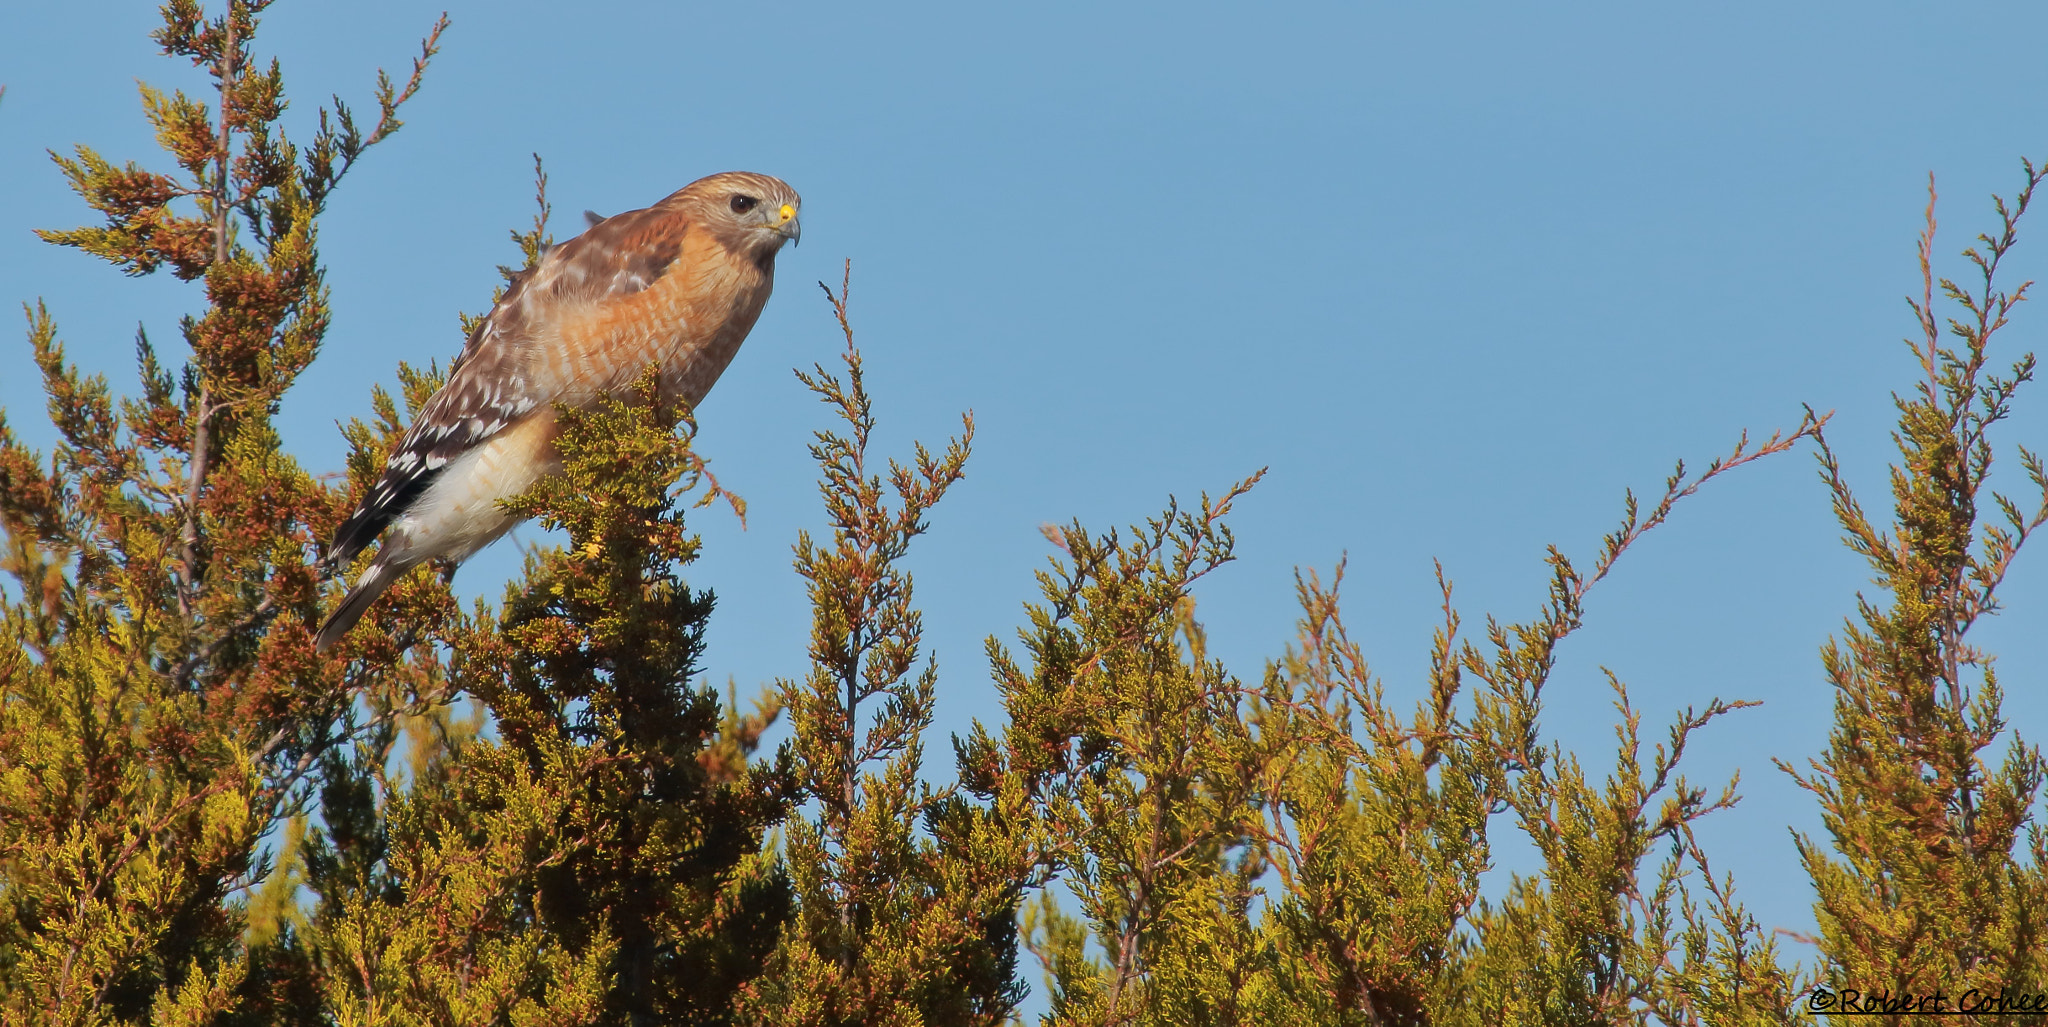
(678, 284)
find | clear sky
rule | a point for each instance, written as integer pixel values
(1458, 276)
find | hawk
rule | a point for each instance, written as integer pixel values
(678, 284)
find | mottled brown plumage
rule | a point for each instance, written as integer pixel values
(678, 285)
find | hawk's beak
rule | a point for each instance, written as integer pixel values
(789, 227)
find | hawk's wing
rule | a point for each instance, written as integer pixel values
(498, 379)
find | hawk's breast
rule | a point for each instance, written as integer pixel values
(690, 321)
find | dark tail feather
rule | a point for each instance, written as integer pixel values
(356, 603)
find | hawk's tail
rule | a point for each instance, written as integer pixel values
(372, 584)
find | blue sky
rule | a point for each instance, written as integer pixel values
(1459, 276)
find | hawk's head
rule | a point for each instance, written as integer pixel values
(749, 213)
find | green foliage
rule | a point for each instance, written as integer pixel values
(162, 711)
(1300, 853)
(540, 812)
(599, 860)
(893, 925)
(1140, 774)
(1923, 890)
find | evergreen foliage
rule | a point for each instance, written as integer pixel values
(539, 812)
(1920, 890)
(894, 925)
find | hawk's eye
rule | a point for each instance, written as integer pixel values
(742, 204)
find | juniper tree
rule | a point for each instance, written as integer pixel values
(595, 861)
(539, 812)
(905, 903)
(599, 860)
(1136, 772)
(161, 711)
(1297, 852)
(1588, 939)
(1923, 886)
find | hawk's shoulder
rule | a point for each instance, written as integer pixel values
(620, 255)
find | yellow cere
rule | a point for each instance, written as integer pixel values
(788, 212)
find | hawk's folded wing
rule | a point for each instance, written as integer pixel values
(500, 376)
